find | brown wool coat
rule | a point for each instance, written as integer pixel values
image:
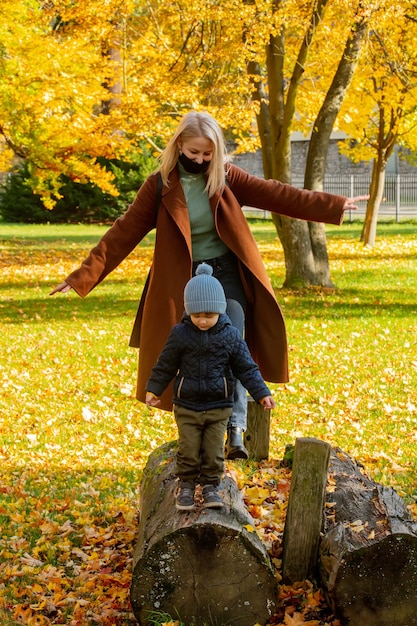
(161, 304)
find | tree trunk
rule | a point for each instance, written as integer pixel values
(202, 566)
(368, 555)
(305, 250)
(298, 253)
(386, 141)
(326, 117)
(262, 117)
(321, 258)
(114, 83)
(319, 143)
(368, 235)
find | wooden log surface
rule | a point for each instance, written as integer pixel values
(368, 555)
(304, 518)
(202, 566)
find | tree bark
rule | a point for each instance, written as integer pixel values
(262, 117)
(299, 261)
(368, 555)
(326, 117)
(202, 566)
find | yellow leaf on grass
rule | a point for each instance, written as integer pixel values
(49, 528)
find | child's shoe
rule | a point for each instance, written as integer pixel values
(184, 500)
(212, 500)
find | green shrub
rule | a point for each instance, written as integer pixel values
(81, 203)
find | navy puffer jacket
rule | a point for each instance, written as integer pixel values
(205, 364)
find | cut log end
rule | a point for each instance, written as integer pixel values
(376, 584)
(199, 571)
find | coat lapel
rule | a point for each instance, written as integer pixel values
(174, 200)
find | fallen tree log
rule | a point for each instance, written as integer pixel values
(202, 566)
(368, 555)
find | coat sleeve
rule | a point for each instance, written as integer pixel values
(167, 365)
(246, 370)
(271, 195)
(117, 243)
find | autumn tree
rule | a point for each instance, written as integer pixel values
(275, 43)
(385, 96)
(305, 243)
(53, 78)
(146, 63)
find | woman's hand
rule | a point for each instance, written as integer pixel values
(62, 287)
(350, 204)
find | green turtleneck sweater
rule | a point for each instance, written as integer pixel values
(206, 244)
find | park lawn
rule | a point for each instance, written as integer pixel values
(73, 441)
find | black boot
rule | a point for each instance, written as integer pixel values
(235, 448)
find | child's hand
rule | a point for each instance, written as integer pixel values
(151, 399)
(268, 402)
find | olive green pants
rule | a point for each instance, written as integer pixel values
(200, 456)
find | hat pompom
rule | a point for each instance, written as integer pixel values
(204, 268)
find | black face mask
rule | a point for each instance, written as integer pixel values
(192, 167)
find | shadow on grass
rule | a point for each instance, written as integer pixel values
(39, 310)
(351, 303)
(27, 236)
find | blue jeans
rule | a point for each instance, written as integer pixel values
(240, 406)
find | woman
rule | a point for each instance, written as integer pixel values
(200, 219)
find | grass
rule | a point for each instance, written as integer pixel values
(73, 441)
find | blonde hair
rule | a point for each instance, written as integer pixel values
(196, 124)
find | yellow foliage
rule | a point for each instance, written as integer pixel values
(144, 64)
(381, 101)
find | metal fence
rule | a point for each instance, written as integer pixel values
(399, 202)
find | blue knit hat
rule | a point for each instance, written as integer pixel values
(203, 293)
